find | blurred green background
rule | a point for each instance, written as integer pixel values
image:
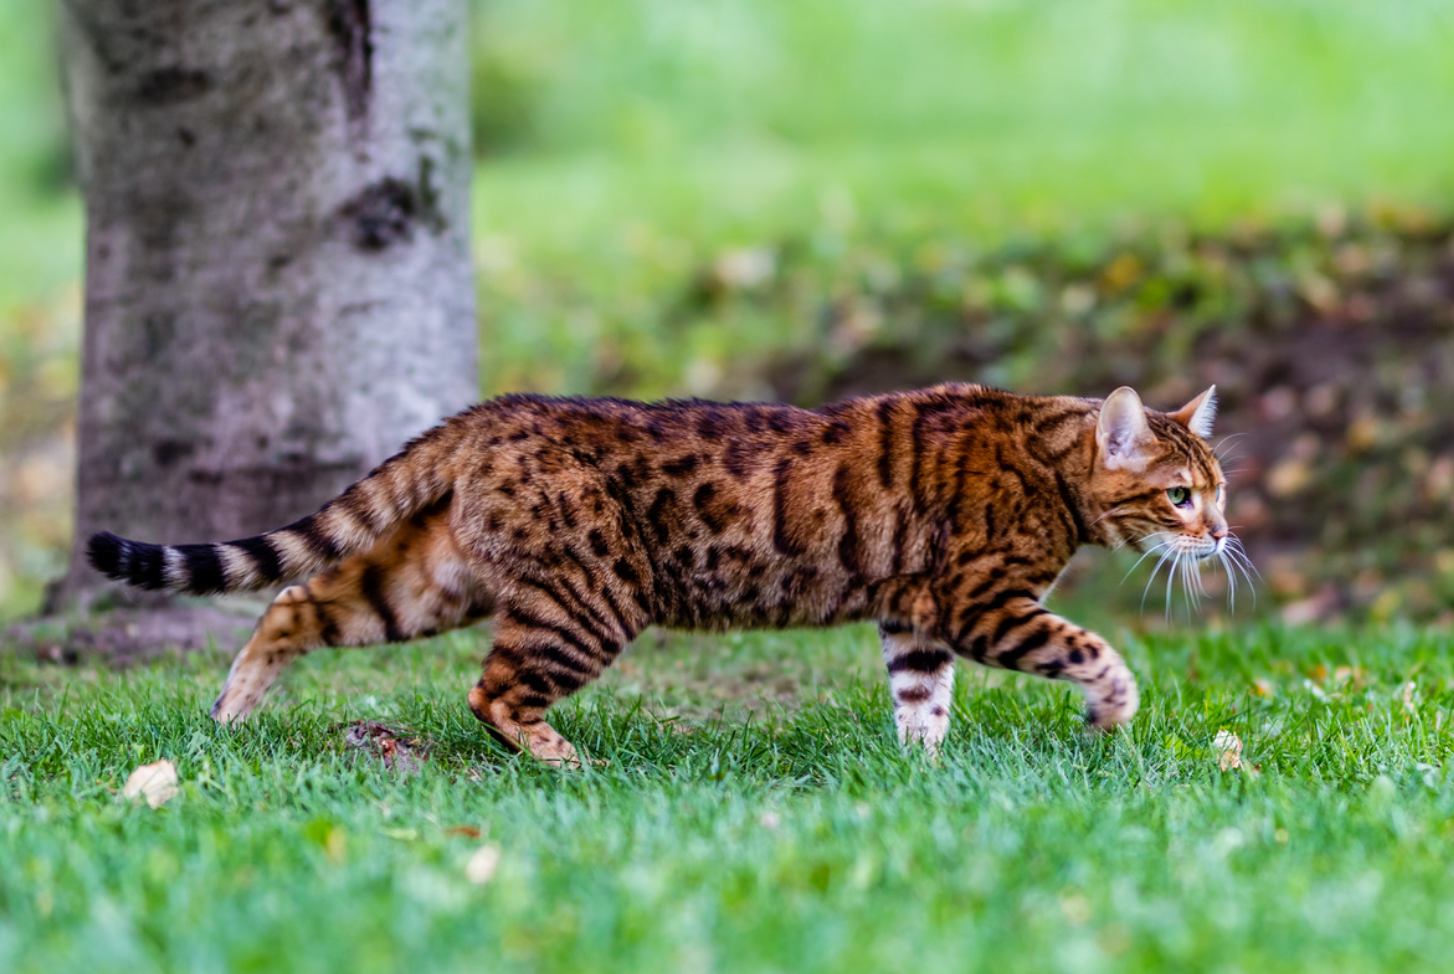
(806, 198)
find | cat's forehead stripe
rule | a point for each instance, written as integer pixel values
(1194, 453)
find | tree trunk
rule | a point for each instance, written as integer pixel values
(278, 288)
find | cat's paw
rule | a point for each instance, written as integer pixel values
(923, 728)
(1115, 703)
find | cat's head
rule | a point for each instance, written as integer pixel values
(1155, 483)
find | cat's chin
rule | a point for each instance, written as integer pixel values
(1206, 549)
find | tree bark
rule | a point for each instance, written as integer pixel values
(278, 288)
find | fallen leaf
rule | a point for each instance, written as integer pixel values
(157, 783)
(1229, 750)
(1409, 693)
(482, 865)
(1356, 674)
(397, 750)
(468, 831)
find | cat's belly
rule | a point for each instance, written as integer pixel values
(756, 596)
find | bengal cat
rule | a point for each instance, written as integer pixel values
(945, 515)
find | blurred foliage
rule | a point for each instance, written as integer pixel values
(1330, 338)
(1331, 343)
(755, 199)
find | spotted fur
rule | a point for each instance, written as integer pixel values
(945, 515)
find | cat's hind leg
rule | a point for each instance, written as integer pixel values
(538, 659)
(413, 583)
(548, 644)
(921, 680)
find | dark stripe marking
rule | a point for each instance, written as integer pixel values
(971, 615)
(1011, 660)
(681, 467)
(1010, 623)
(266, 561)
(328, 630)
(371, 587)
(848, 546)
(310, 530)
(886, 443)
(919, 661)
(203, 565)
(913, 694)
(657, 514)
(149, 566)
(576, 609)
(711, 516)
(782, 540)
(1068, 498)
(524, 619)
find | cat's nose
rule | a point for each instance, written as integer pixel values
(1218, 533)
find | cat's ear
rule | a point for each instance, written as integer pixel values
(1122, 433)
(1198, 414)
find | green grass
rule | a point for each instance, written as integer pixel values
(754, 814)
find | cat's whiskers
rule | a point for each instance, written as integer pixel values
(1167, 552)
(1237, 556)
(1171, 575)
(1225, 443)
(1234, 559)
(1144, 555)
(1231, 580)
(1185, 558)
(1235, 549)
(1194, 572)
(1114, 510)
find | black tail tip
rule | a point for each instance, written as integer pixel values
(104, 551)
(126, 561)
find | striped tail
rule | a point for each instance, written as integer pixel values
(351, 523)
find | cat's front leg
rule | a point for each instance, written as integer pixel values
(1013, 631)
(921, 680)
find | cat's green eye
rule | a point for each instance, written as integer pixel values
(1179, 496)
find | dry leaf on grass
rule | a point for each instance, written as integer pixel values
(397, 751)
(482, 865)
(1229, 750)
(467, 831)
(1409, 692)
(157, 783)
(1356, 674)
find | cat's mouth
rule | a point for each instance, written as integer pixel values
(1183, 555)
(1204, 548)
(1185, 546)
